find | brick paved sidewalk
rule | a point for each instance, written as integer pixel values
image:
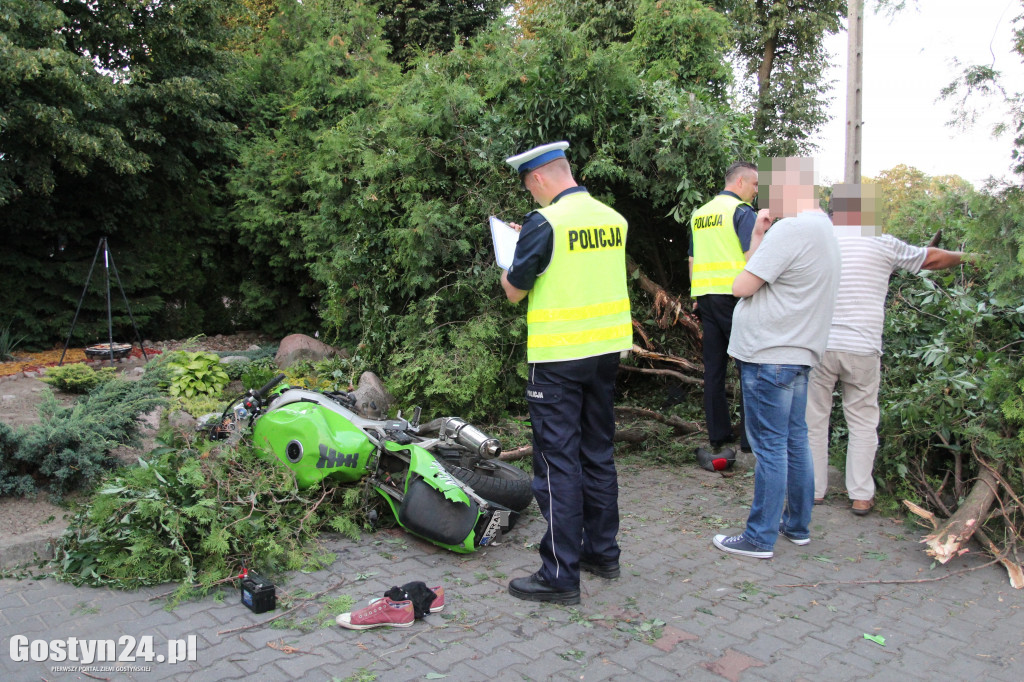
(680, 610)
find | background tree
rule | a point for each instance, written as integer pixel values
(115, 126)
(780, 47)
(319, 63)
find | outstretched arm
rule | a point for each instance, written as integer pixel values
(940, 259)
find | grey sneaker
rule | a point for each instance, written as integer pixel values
(795, 541)
(737, 544)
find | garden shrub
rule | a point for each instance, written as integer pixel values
(70, 446)
(77, 377)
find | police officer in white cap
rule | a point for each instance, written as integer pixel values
(571, 261)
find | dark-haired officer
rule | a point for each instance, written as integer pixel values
(571, 261)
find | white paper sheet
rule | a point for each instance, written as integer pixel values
(505, 239)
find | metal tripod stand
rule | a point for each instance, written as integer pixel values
(108, 265)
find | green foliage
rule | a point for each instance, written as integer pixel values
(8, 343)
(15, 479)
(258, 373)
(77, 377)
(953, 357)
(198, 405)
(70, 446)
(196, 517)
(402, 252)
(1013, 409)
(414, 26)
(196, 373)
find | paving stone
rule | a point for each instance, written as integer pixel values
(813, 630)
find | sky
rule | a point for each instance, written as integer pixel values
(908, 59)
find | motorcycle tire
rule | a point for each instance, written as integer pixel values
(496, 481)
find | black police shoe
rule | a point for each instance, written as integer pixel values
(535, 588)
(606, 570)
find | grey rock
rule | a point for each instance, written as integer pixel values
(182, 421)
(372, 398)
(297, 347)
(228, 359)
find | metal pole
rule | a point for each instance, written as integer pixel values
(81, 298)
(854, 92)
(110, 319)
(124, 296)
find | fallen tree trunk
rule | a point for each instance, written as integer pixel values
(950, 539)
(669, 359)
(680, 426)
(1014, 570)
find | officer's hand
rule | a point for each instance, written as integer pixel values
(515, 226)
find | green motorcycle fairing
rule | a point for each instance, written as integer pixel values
(314, 442)
(434, 504)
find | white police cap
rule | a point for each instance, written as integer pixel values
(537, 157)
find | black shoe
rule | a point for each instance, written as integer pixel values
(534, 588)
(609, 571)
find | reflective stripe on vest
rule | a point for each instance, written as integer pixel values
(579, 306)
(717, 254)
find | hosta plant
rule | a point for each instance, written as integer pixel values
(196, 373)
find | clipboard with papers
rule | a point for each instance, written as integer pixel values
(505, 239)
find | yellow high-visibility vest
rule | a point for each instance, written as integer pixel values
(717, 253)
(579, 306)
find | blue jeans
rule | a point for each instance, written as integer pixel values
(774, 403)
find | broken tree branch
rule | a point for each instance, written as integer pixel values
(669, 309)
(621, 436)
(664, 372)
(678, 425)
(669, 359)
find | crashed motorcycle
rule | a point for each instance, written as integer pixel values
(442, 480)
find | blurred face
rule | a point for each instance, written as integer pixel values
(791, 186)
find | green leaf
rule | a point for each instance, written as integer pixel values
(877, 639)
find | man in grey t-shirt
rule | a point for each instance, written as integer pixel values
(780, 328)
(852, 356)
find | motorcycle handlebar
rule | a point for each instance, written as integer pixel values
(262, 393)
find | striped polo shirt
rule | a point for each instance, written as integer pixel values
(868, 262)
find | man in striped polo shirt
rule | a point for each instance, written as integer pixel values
(853, 354)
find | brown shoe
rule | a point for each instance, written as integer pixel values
(862, 507)
(819, 500)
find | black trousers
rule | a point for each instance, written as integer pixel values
(716, 318)
(574, 478)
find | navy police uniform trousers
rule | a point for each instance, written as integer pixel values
(572, 410)
(716, 319)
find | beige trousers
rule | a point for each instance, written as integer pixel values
(858, 375)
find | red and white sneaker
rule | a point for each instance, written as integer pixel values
(382, 612)
(438, 603)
